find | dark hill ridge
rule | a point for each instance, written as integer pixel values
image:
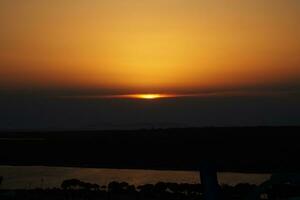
(240, 149)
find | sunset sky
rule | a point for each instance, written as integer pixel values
(149, 46)
(131, 64)
(104, 63)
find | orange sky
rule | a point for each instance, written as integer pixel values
(148, 45)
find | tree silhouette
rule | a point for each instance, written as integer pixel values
(120, 188)
(160, 187)
(146, 189)
(77, 184)
(70, 184)
(114, 187)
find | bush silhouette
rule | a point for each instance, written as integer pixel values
(120, 188)
(77, 184)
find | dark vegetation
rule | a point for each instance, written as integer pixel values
(247, 149)
(74, 189)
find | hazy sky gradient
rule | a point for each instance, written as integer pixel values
(245, 53)
(143, 45)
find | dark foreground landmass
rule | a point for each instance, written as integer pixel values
(77, 190)
(244, 149)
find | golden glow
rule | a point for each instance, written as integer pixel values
(129, 96)
(163, 96)
(143, 45)
(150, 96)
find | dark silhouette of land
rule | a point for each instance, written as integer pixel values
(74, 189)
(247, 149)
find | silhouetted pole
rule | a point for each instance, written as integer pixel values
(209, 182)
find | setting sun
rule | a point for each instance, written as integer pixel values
(150, 96)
